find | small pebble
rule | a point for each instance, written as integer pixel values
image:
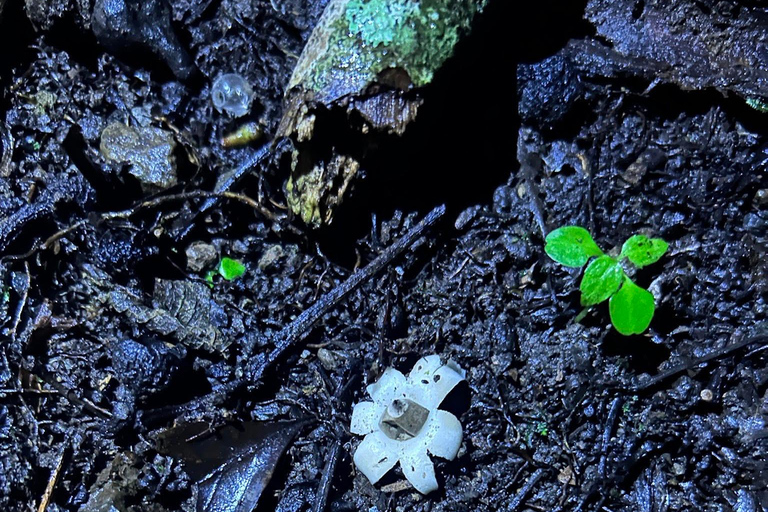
(270, 257)
(200, 256)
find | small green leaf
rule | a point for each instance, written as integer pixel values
(642, 251)
(601, 280)
(231, 269)
(631, 309)
(571, 246)
(209, 277)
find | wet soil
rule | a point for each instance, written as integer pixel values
(111, 320)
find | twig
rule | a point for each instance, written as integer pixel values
(10, 391)
(610, 423)
(513, 481)
(298, 328)
(7, 149)
(152, 203)
(525, 489)
(158, 201)
(324, 489)
(717, 354)
(530, 165)
(52, 481)
(253, 159)
(23, 303)
(72, 396)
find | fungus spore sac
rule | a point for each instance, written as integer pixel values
(233, 94)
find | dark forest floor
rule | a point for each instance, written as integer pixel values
(624, 118)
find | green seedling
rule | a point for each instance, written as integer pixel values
(228, 268)
(631, 307)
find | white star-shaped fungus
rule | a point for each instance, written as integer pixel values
(403, 423)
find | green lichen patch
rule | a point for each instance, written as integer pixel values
(356, 40)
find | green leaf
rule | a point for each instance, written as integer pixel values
(601, 280)
(631, 309)
(571, 246)
(209, 277)
(231, 269)
(642, 251)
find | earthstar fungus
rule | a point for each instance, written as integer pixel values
(403, 423)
